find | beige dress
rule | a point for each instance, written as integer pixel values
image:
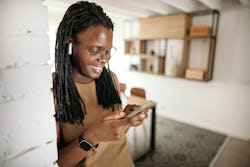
(107, 154)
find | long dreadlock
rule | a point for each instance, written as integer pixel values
(71, 107)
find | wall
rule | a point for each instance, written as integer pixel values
(220, 105)
(27, 125)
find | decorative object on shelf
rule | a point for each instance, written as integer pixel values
(172, 64)
(133, 67)
(172, 68)
(151, 65)
(152, 53)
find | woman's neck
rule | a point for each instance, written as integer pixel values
(79, 78)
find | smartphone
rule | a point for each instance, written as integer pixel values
(147, 105)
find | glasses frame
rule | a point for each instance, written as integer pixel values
(102, 51)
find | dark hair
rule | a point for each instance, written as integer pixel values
(70, 106)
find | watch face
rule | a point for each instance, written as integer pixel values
(85, 145)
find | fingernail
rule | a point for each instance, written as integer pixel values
(122, 113)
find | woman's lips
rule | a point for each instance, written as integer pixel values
(97, 69)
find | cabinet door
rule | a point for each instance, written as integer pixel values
(164, 26)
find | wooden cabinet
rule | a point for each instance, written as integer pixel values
(170, 26)
(180, 45)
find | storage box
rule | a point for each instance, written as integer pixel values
(195, 74)
(200, 31)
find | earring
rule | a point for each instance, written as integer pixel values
(70, 48)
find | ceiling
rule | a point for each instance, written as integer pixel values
(134, 9)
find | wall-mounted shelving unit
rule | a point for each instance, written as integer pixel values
(181, 45)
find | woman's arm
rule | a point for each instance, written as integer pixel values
(71, 154)
(110, 128)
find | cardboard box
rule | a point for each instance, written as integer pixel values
(200, 31)
(196, 74)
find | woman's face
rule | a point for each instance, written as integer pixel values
(91, 53)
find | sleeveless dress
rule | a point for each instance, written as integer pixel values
(107, 154)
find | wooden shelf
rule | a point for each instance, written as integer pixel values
(176, 29)
(147, 72)
(200, 37)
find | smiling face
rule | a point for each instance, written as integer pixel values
(85, 65)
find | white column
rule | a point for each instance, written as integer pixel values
(27, 125)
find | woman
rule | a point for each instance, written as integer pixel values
(91, 125)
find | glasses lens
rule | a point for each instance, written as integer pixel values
(98, 52)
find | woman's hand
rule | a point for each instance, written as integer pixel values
(109, 128)
(138, 118)
(113, 126)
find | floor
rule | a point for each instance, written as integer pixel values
(182, 145)
(233, 153)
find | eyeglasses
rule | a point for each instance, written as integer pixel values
(97, 52)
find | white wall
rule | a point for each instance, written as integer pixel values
(220, 105)
(27, 125)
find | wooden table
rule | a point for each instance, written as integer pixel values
(139, 101)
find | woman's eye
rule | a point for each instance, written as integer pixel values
(95, 50)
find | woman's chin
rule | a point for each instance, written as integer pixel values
(96, 75)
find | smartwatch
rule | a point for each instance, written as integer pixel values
(84, 144)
